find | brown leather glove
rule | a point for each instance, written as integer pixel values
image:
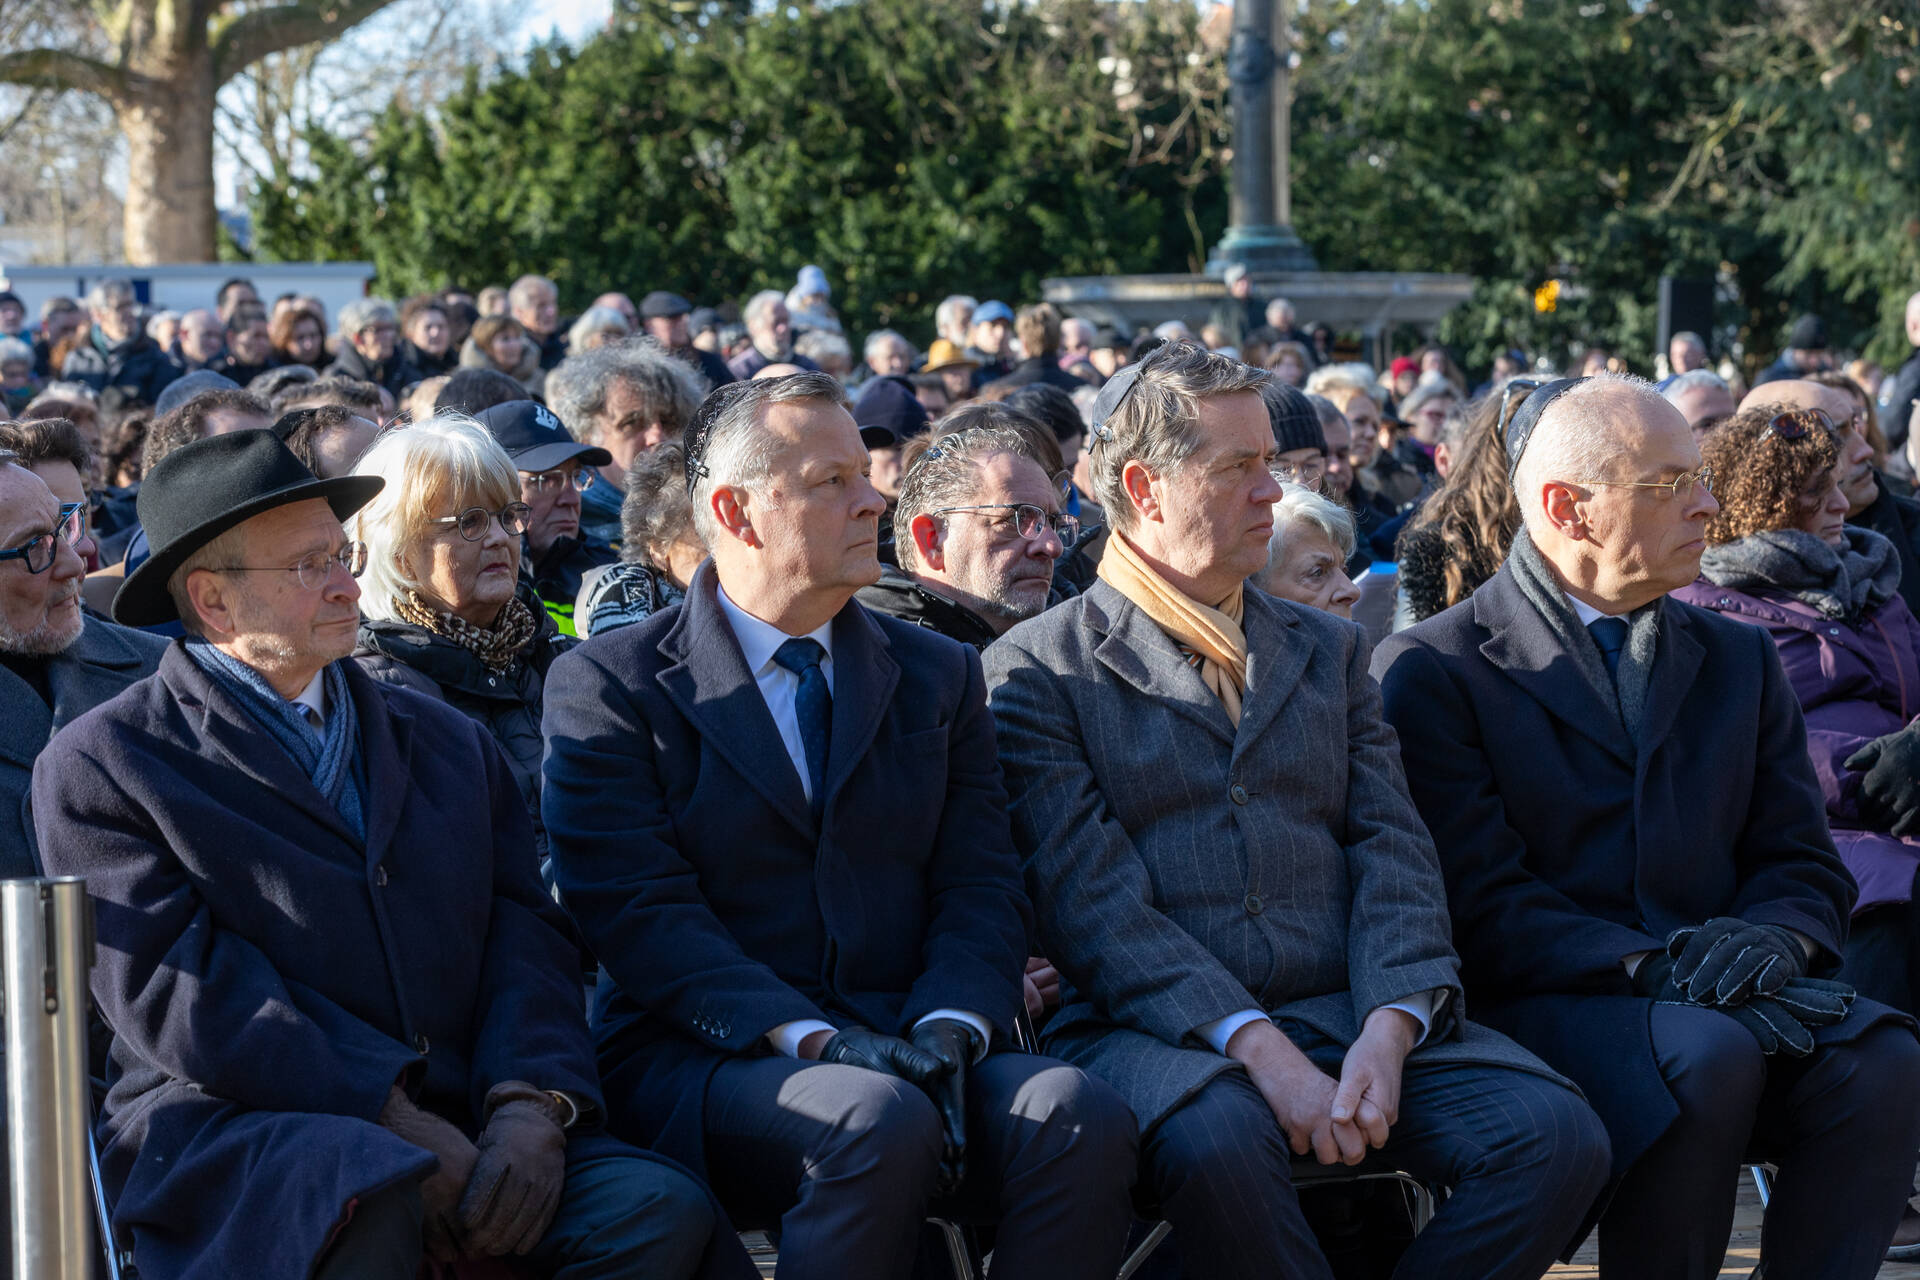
(442, 1190)
(522, 1166)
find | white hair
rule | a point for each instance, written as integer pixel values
(596, 320)
(13, 350)
(1686, 382)
(434, 468)
(759, 304)
(1298, 504)
(879, 336)
(1576, 438)
(947, 315)
(522, 291)
(739, 451)
(361, 312)
(1354, 379)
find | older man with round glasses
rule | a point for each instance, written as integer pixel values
(346, 1013)
(1643, 885)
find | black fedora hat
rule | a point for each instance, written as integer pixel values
(201, 490)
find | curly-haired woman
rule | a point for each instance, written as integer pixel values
(1458, 537)
(1781, 555)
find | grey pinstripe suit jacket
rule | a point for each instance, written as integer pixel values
(1182, 871)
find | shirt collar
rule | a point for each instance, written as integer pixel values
(1587, 614)
(759, 640)
(315, 694)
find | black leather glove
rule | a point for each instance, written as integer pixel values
(1890, 789)
(951, 1041)
(889, 1055)
(1653, 978)
(1726, 962)
(516, 1185)
(440, 1193)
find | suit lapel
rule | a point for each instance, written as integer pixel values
(710, 684)
(1677, 658)
(1277, 653)
(386, 738)
(864, 678)
(1143, 655)
(28, 722)
(1523, 646)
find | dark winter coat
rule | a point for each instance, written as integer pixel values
(393, 373)
(899, 595)
(1567, 845)
(1856, 680)
(1041, 369)
(1897, 421)
(718, 906)
(269, 977)
(508, 704)
(125, 373)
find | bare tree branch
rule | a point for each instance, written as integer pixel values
(58, 69)
(252, 36)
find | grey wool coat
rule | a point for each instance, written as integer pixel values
(1182, 871)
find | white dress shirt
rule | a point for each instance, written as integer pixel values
(759, 641)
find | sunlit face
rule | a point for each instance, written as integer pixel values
(539, 310)
(269, 620)
(1210, 517)
(816, 516)
(1430, 418)
(472, 580)
(305, 342)
(626, 430)
(1849, 420)
(376, 341)
(202, 336)
(1311, 571)
(506, 349)
(428, 331)
(990, 336)
(250, 340)
(980, 557)
(1822, 506)
(39, 612)
(1289, 369)
(772, 332)
(118, 320)
(1363, 417)
(890, 359)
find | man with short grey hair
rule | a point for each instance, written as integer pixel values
(977, 529)
(887, 355)
(627, 398)
(117, 359)
(1702, 397)
(1642, 880)
(535, 302)
(370, 347)
(953, 318)
(1226, 868)
(201, 337)
(779, 823)
(1686, 351)
(770, 326)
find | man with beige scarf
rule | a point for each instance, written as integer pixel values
(1227, 870)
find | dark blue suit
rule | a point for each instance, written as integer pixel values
(1567, 846)
(684, 845)
(269, 977)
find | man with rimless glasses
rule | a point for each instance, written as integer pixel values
(1643, 885)
(555, 469)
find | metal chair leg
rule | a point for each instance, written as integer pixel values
(1138, 1258)
(957, 1252)
(102, 1214)
(1762, 1183)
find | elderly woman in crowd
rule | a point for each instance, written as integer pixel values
(500, 343)
(1781, 556)
(659, 547)
(596, 327)
(1307, 554)
(444, 610)
(370, 347)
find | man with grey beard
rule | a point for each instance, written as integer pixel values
(977, 529)
(55, 663)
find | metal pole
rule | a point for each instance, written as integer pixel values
(46, 944)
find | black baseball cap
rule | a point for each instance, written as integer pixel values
(534, 438)
(888, 412)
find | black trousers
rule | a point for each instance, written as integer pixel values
(1524, 1158)
(844, 1161)
(1843, 1125)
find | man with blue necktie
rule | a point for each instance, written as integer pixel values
(780, 822)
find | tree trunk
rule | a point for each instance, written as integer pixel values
(170, 212)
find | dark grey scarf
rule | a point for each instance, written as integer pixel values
(1543, 590)
(1841, 582)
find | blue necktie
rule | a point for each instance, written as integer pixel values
(812, 707)
(1611, 635)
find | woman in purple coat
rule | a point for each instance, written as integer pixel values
(1781, 555)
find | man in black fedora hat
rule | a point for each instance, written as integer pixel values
(346, 1014)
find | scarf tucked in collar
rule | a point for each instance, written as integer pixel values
(496, 646)
(1543, 591)
(332, 760)
(1210, 636)
(1841, 582)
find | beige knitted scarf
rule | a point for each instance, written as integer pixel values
(1210, 636)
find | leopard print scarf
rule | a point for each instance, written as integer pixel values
(496, 646)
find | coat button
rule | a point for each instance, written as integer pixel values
(1239, 794)
(1253, 904)
(492, 681)
(380, 875)
(420, 1044)
(1833, 631)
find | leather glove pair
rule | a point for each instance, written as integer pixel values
(519, 1173)
(1781, 1021)
(1726, 962)
(1784, 1021)
(1890, 790)
(935, 1060)
(441, 1192)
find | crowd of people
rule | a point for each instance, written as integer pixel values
(566, 790)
